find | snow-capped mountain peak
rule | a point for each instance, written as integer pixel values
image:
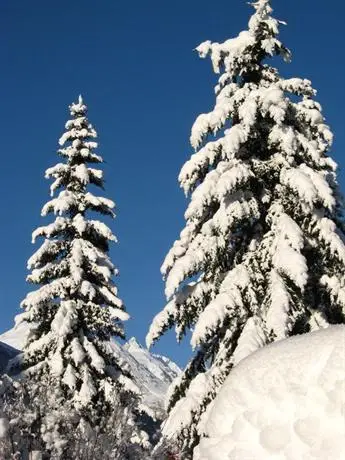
(160, 366)
(132, 344)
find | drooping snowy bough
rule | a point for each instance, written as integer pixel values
(76, 308)
(262, 255)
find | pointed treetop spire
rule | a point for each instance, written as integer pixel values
(78, 108)
(243, 54)
(262, 15)
(262, 6)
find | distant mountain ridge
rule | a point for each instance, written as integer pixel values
(152, 373)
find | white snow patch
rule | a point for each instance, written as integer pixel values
(284, 402)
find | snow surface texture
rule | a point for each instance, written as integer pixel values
(284, 402)
(152, 373)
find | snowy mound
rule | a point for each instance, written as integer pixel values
(284, 402)
(152, 373)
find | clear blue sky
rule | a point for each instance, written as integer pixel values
(133, 61)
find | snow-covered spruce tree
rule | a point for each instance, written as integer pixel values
(76, 310)
(262, 255)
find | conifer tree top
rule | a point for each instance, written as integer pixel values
(243, 54)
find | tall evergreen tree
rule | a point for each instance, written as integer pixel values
(262, 255)
(76, 308)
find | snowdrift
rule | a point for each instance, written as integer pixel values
(284, 402)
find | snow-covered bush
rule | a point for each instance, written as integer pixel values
(40, 423)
